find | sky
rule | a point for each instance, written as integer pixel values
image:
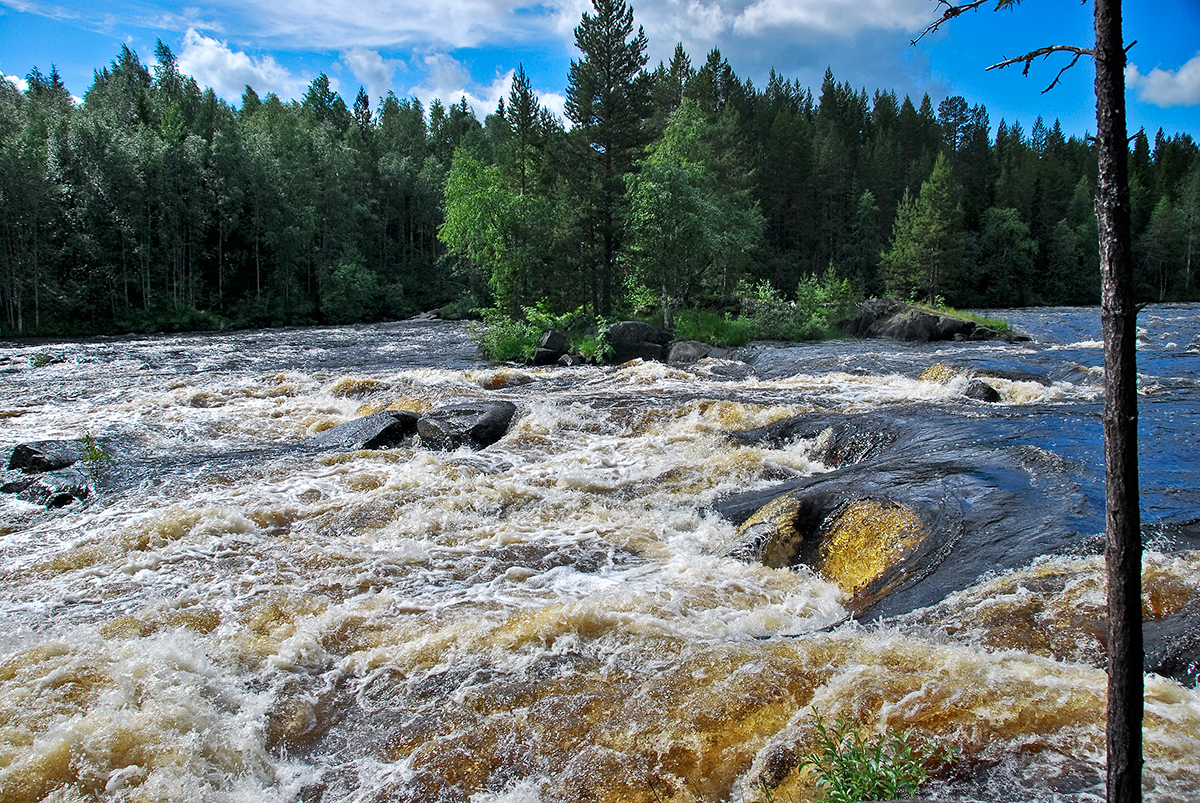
(451, 49)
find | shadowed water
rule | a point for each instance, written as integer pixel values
(239, 617)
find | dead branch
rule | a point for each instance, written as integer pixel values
(1044, 52)
(950, 13)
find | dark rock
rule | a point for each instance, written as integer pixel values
(385, 430)
(552, 346)
(46, 455)
(841, 441)
(554, 341)
(981, 391)
(12, 481)
(638, 351)
(567, 360)
(473, 424)
(57, 488)
(631, 340)
(686, 352)
(545, 356)
(1173, 644)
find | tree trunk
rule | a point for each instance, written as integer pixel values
(1123, 546)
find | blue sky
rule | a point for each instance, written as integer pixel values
(454, 48)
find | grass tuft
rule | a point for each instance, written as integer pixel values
(851, 767)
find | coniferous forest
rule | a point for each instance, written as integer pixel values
(156, 205)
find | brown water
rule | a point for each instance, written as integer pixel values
(552, 618)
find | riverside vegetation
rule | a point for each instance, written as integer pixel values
(154, 204)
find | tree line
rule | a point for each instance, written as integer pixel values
(156, 205)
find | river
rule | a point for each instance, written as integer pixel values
(555, 617)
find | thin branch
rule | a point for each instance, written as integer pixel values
(1044, 52)
(950, 13)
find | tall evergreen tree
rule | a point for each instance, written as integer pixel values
(608, 100)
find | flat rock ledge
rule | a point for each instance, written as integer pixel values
(891, 319)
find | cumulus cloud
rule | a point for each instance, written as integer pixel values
(448, 80)
(1168, 88)
(213, 63)
(17, 81)
(372, 70)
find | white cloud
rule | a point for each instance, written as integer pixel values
(372, 70)
(443, 24)
(838, 17)
(17, 81)
(1168, 88)
(212, 63)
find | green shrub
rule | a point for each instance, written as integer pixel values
(852, 768)
(503, 339)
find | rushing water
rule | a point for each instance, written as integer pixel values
(553, 618)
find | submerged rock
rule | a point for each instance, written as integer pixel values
(914, 506)
(473, 424)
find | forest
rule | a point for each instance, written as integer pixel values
(154, 205)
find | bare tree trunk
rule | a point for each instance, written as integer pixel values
(1123, 546)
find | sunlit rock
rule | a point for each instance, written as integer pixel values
(859, 544)
(686, 352)
(383, 430)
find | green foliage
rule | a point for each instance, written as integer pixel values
(595, 348)
(504, 339)
(851, 767)
(941, 308)
(353, 293)
(825, 300)
(93, 453)
(719, 329)
(156, 206)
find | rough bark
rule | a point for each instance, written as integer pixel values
(1123, 548)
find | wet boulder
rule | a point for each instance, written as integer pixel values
(631, 340)
(979, 390)
(1173, 644)
(47, 455)
(471, 424)
(869, 545)
(57, 488)
(385, 430)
